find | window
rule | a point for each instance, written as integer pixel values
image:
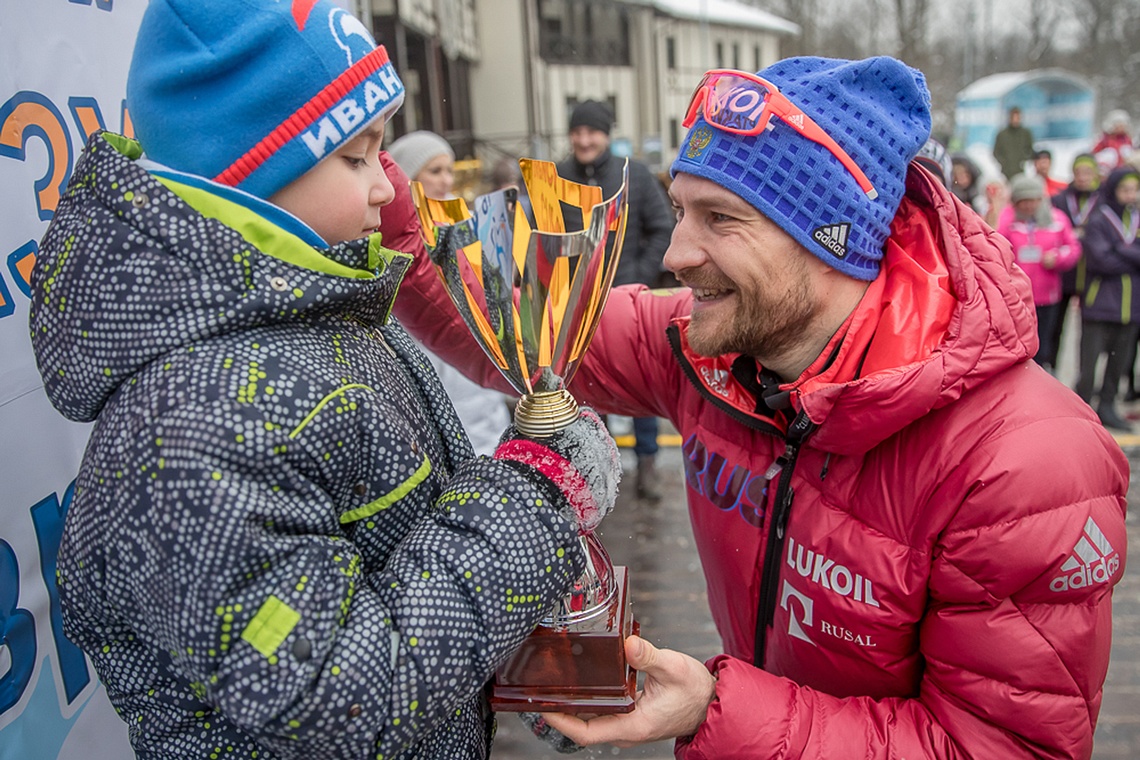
(756, 59)
(720, 55)
(671, 53)
(674, 134)
(736, 55)
(592, 32)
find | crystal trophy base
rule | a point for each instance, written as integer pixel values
(581, 669)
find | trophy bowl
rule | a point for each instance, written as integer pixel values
(531, 292)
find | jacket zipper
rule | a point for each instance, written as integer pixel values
(784, 466)
(798, 432)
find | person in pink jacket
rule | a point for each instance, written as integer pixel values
(910, 531)
(1044, 246)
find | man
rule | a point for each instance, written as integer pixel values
(647, 236)
(896, 563)
(1013, 145)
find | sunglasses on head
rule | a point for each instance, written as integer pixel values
(742, 104)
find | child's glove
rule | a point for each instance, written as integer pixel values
(582, 461)
(551, 736)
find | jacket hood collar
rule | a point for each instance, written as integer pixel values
(173, 266)
(948, 311)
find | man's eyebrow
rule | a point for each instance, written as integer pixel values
(734, 204)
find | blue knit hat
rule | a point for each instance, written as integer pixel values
(254, 93)
(878, 110)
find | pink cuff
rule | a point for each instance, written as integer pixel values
(559, 471)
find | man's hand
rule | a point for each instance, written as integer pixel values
(677, 693)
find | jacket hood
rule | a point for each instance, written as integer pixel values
(948, 311)
(133, 269)
(1108, 187)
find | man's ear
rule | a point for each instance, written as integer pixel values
(832, 283)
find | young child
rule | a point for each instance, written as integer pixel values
(1044, 246)
(280, 544)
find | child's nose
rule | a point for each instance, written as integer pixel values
(382, 191)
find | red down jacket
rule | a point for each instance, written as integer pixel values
(943, 585)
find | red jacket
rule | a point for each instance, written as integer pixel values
(943, 586)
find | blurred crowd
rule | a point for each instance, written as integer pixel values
(1077, 241)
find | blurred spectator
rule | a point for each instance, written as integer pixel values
(1043, 246)
(1013, 145)
(965, 182)
(648, 231)
(1079, 197)
(1115, 145)
(429, 159)
(506, 173)
(1110, 310)
(985, 196)
(1077, 201)
(933, 157)
(1043, 165)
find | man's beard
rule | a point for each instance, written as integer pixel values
(767, 323)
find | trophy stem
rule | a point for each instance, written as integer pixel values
(593, 592)
(542, 414)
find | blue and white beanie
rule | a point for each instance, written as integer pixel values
(878, 110)
(254, 93)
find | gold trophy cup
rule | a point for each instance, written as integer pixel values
(532, 294)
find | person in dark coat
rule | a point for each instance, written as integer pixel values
(1110, 309)
(1076, 201)
(650, 226)
(1013, 145)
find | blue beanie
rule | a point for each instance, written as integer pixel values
(877, 109)
(254, 93)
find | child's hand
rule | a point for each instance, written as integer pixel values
(582, 461)
(1049, 259)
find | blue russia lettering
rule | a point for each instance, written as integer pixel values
(18, 625)
(709, 474)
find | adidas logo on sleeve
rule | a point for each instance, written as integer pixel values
(1092, 562)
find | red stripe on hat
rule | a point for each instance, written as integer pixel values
(303, 117)
(301, 11)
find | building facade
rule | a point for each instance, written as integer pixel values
(500, 77)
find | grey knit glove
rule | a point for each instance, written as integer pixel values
(582, 461)
(540, 728)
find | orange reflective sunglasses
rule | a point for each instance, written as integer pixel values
(742, 104)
